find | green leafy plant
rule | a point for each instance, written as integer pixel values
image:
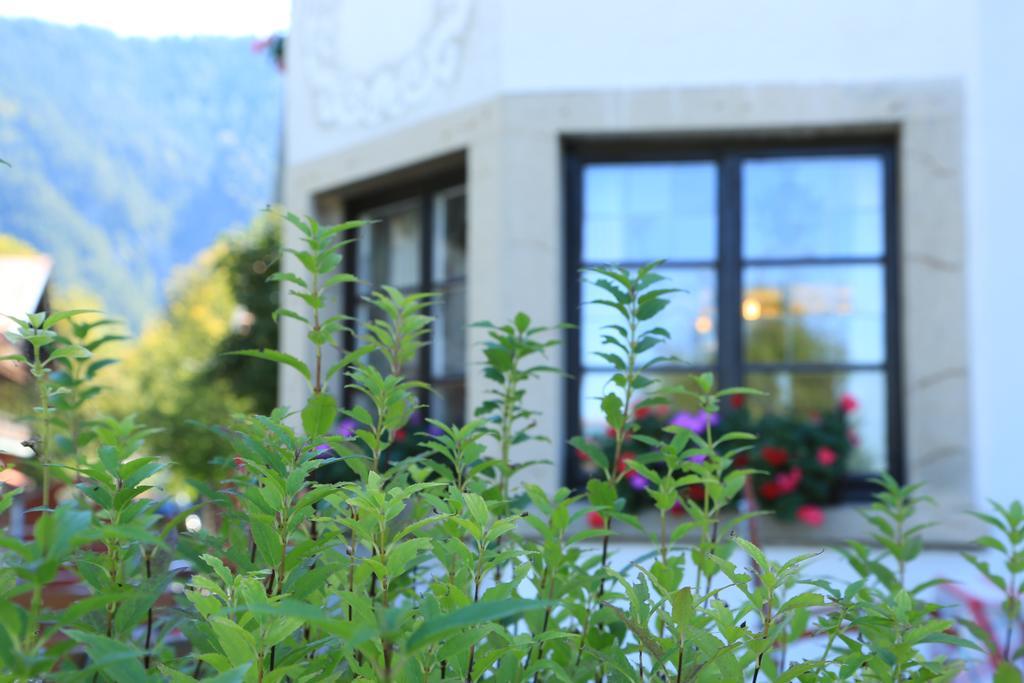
(436, 558)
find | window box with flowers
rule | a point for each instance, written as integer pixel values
(801, 461)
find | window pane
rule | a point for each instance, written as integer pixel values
(595, 384)
(449, 235)
(813, 206)
(809, 394)
(809, 314)
(389, 251)
(691, 317)
(646, 211)
(448, 343)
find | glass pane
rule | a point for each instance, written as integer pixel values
(691, 318)
(449, 403)
(640, 212)
(681, 409)
(389, 251)
(449, 235)
(814, 314)
(448, 345)
(808, 395)
(813, 206)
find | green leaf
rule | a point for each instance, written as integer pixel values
(319, 414)
(1007, 673)
(435, 629)
(276, 357)
(120, 661)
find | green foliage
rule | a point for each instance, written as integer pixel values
(179, 374)
(439, 566)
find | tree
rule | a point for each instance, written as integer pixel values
(174, 376)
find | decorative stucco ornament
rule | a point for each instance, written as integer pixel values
(368, 61)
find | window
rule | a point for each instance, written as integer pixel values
(784, 258)
(418, 244)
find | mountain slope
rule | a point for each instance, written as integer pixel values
(128, 156)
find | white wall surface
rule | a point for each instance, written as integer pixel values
(995, 242)
(359, 49)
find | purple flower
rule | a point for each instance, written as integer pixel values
(698, 458)
(695, 422)
(433, 430)
(637, 481)
(416, 419)
(346, 427)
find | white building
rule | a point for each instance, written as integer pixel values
(857, 159)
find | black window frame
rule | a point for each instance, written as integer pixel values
(728, 154)
(423, 191)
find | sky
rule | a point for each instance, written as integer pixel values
(158, 18)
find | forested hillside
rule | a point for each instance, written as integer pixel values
(129, 156)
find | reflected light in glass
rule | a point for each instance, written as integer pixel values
(702, 324)
(751, 309)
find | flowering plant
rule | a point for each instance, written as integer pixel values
(800, 461)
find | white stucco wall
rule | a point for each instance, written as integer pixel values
(995, 245)
(379, 54)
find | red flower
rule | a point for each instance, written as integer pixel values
(240, 464)
(661, 410)
(741, 460)
(400, 435)
(775, 456)
(696, 492)
(677, 510)
(811, 515)
(643, 413)
(769, 490)
(737, 401)
(595, 519)
(788, 481)
(583, 457)
(621, 466)
(826, 456)
(609, 431)
(848, 403)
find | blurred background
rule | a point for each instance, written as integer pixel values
(833, 188)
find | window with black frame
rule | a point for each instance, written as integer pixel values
(783, 259)
(418, 244)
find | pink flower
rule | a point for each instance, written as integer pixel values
(595, 519)
(826, 456)
(848, 403)
(812, 515)
(788, 481)
(737, 401)
(677, 510)
(626, 456)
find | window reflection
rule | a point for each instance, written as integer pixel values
(638, 212)
(814, 314)
(818, 206)
(691, 317)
